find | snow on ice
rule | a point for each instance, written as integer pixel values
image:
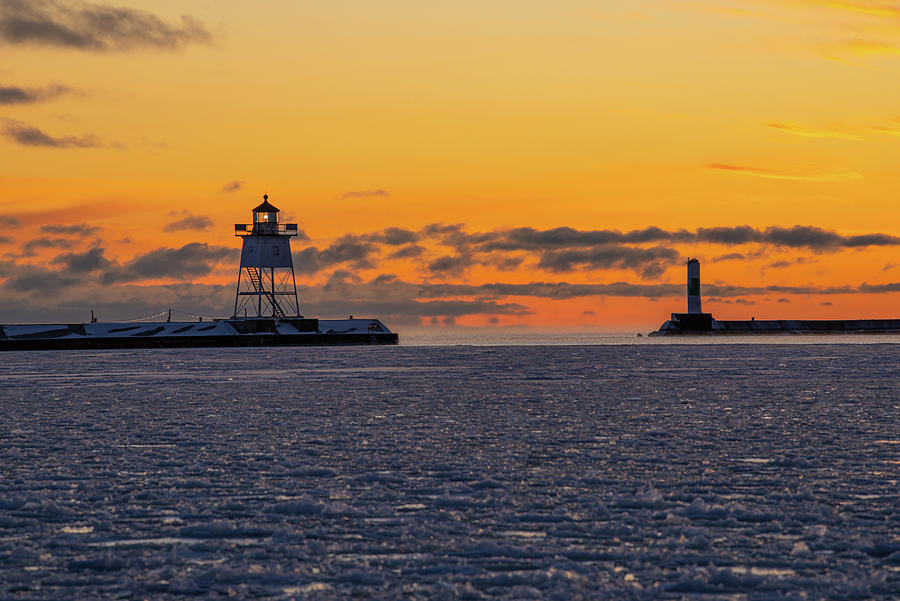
(631, 472)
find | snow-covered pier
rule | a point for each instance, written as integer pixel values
(266, 309)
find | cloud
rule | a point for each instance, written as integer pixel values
(858, 48)
(565, 290)
(347, 249)
(441, 229)
(870, 21)
(31, 278)
(28, 135)
(729, 257)
(807, 132)
(189, 222)
(66, 299)
(191, 260)
(800, 236)
(887, 131)
(504, 263)
(29, 249)
(404, 302)
(364, 194)
(526, 238)
(797, 236)
(407, 252)
(232, 186)
(86, 262)
(648, 251)
(878, 9)
(879, 288)
(17, 95)
(395, 301)
(452, 264)
(446, 250)
(829, 176)
(530, 239)
(859, 132)
(650, 262)
(93, 27)
(863, 8)
(394, 236)
(551, 290)
(75, 229)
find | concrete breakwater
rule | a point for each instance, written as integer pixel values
(696, 322)
(676, 326)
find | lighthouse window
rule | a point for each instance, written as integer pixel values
(276, 250)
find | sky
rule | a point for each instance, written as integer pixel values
(479, 164)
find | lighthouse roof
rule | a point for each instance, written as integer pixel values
(266, 207)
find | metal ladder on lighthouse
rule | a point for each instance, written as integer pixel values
(256, 280)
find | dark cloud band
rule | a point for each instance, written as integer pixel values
(526, 238)
(17, 95)
(93, 27)
(29, 135)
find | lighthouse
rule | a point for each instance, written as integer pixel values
(266, 286)
(695, 320)
(693, 286)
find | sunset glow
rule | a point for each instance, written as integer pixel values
(550, 165)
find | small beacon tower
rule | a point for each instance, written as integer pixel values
(695, 320)
(693, 286)
(266, 285)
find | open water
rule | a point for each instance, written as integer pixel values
(640, 471)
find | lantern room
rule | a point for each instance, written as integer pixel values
(265, 216)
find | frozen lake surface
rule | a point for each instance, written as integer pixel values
(563, 472)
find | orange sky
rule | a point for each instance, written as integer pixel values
(358, 117)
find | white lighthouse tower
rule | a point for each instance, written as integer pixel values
(266, 285)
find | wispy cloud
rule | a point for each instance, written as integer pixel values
(877, 9)
(849, 31)
(29, 135)
(888, 131)
(20, 95)
(808, 132)
(188, 221)
(232, 186)
(364, 194)
(858, 48)
(841, 132)
(94, 27)
(28, 250)
(827, 176)
(74, 229)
